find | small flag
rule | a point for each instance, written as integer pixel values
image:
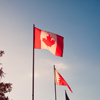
(50, 41)
(66, 96)
(59, 80)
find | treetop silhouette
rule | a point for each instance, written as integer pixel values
(4, 87)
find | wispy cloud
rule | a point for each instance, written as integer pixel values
(59, 64)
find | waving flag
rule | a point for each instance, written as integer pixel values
(66, 96)
(49, 41)
(59, 80)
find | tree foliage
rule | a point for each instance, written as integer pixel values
(4, 87)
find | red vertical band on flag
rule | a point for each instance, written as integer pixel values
(37, 38)
(59, 49)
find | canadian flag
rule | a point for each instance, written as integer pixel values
(59, 80)
(48, 40)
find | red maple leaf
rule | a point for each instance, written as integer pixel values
(49, 42)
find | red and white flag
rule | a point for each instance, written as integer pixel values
(47, 40)
(59, 80)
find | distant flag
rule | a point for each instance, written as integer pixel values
(59, 80)
(66, 96)
(50, 41)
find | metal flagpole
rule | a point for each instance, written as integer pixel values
(55, 82)
(33, 62)
(65, 94)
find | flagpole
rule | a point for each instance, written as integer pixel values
(65, 94)
(33, 62)
(55, 83)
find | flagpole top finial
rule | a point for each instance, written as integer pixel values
(54, 66)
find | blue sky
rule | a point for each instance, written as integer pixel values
(78, 21)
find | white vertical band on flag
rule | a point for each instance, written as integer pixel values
(57, 78)
(45, 34)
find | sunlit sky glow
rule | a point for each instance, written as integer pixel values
(78, 21)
